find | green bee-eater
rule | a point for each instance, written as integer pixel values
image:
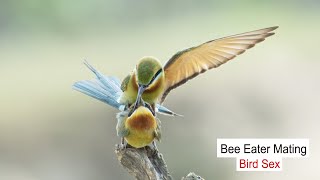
(151, 82)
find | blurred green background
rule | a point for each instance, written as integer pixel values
(50, 132)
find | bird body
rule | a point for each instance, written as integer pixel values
(150, 83)
(130, 89)
(142, 127)
(139, 128)
(153, 82)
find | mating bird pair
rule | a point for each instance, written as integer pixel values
(141, 94)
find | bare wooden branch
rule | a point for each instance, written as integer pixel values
(143, 163)
(146, 164)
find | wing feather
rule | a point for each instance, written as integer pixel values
(188, 63)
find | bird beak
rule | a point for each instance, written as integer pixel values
(137, 103)
(140, 92)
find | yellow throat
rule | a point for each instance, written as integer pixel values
(141, 125)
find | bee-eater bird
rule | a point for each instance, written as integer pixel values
(138, 125)
(140, 128)
(150, 82)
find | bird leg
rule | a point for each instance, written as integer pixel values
(123, 144)
(143, 103)
(135, 105)
(132, 110)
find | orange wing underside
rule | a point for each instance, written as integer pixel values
(191, 62)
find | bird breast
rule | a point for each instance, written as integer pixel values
(141, 125)
(141, 120)
(152, 93)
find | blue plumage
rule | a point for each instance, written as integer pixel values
(108, 90)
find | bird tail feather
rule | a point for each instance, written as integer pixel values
(104, 88)
(108, 90)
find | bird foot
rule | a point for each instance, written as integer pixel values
(122, 145)
(143, 103)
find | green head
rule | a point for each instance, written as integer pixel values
(148, 69)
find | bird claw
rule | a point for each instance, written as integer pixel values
(131, 111)
(122, 145)
(143, 103)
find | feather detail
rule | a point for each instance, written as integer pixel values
(191, 62)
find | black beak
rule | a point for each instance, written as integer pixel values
(137, 103)
(140, 92)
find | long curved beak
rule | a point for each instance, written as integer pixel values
(140, 92)
(137, 103)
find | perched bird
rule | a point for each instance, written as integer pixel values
(153, 82)
(138, 125)
(150, 82)
(140, 128)
(147, 80)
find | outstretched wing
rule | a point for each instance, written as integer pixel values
(188, 63)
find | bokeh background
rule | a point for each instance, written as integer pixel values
(50, 132)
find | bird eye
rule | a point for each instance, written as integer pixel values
(155, 76)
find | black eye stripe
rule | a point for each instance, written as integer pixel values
(155, 76)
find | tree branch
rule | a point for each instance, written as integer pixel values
(146, 164)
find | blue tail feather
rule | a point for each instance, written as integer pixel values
(108, 90)
(165, 111)
(104, 88)
(93, 90)
(109, 82)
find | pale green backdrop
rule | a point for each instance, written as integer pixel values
(50, 132)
